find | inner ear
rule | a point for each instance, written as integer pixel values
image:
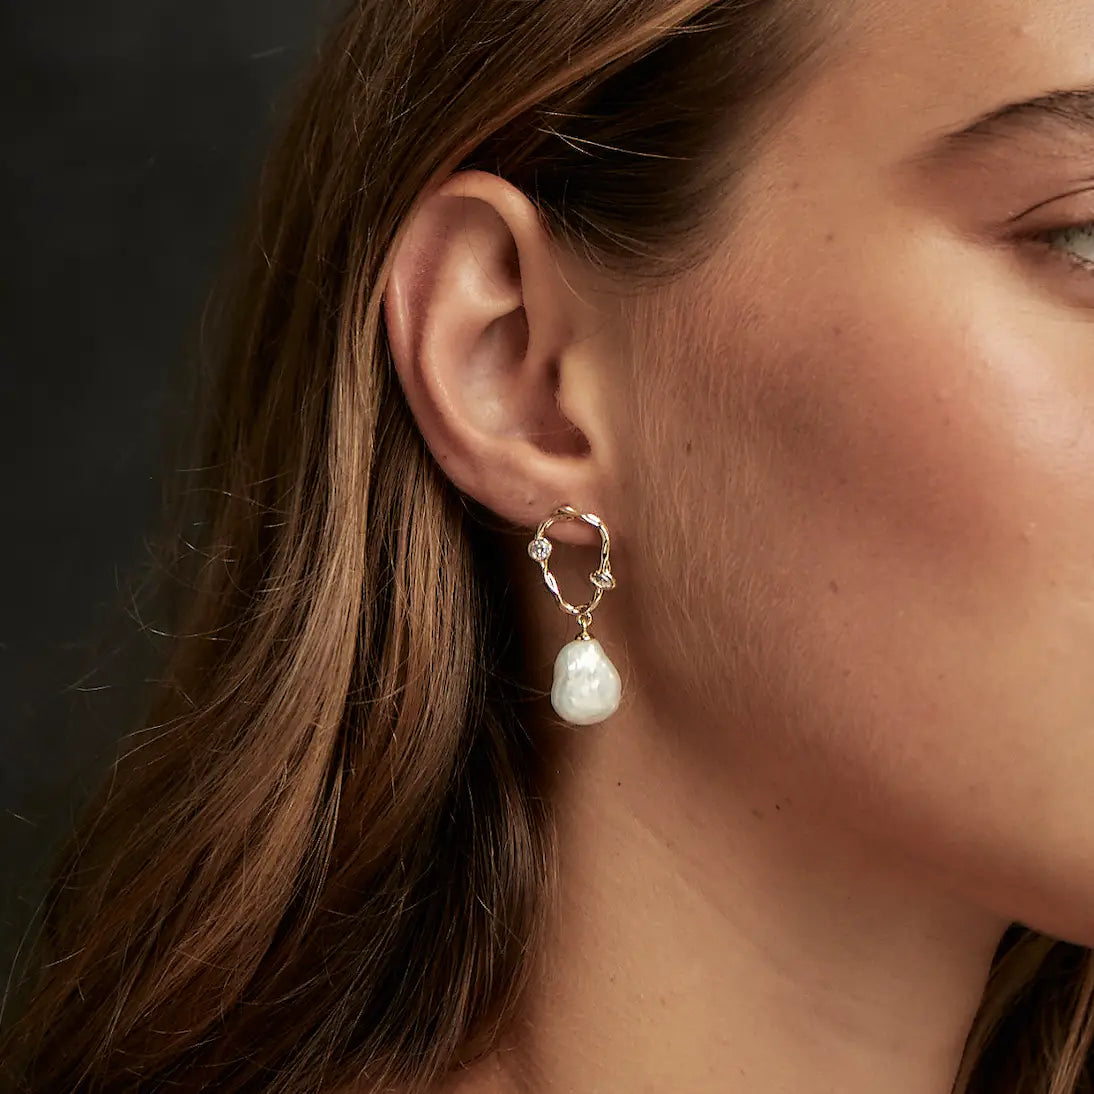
(497, 394)
(486, 385)
(558, 434)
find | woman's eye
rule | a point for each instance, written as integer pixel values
(1075, 243)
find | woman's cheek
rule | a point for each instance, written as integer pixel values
(940, 429)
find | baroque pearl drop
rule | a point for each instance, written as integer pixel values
(586, 688)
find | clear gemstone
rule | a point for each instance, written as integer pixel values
(586, 686)
(602, 579)
(539, 548)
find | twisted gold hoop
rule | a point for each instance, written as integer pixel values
(602, 579)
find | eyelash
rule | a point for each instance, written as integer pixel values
(1047, 238)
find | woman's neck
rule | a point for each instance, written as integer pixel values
(710, 938)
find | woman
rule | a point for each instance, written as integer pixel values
(792, 303)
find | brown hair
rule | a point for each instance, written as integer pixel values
(323, 858)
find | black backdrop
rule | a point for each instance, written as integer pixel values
(131, 131)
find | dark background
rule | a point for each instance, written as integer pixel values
(132, 132)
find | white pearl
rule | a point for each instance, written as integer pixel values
(586, 688)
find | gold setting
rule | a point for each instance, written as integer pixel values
(601, 578)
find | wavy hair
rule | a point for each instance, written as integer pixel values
(322, 858)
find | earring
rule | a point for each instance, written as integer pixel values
(586, 686)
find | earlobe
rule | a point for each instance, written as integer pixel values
(479, 321)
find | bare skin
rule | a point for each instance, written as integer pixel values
(848, 468)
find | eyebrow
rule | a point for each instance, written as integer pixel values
(1064, 113)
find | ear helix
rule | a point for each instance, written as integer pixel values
(586, 687)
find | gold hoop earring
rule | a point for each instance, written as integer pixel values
(586, 687)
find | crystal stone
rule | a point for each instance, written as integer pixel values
(539, 548)
(602, 579)
(586, 686)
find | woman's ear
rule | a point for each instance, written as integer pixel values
(486, 336)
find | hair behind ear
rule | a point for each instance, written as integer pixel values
(324, 856)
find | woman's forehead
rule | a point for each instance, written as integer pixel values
(938, 65)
